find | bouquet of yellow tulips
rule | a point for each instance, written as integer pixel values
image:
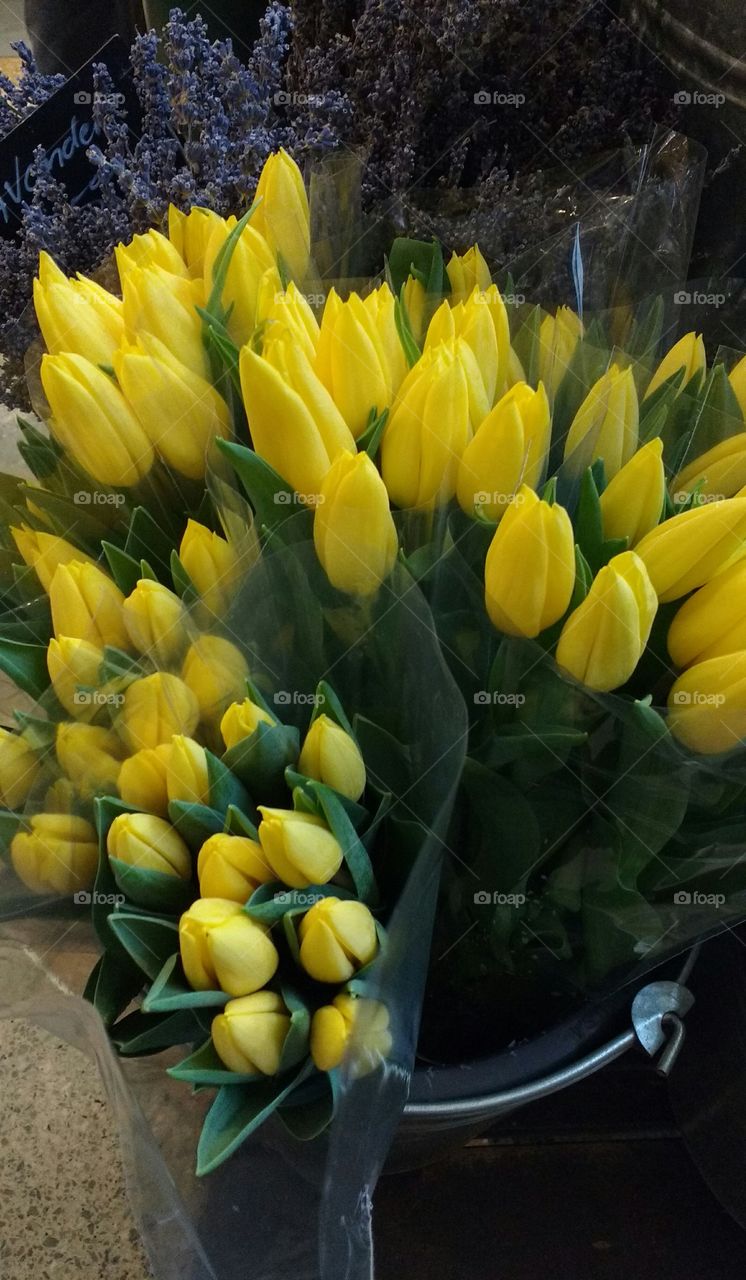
(287, 577)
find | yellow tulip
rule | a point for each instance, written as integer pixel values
(381, 306)
(337, 937)
(93, 423)
(43, 552)
(250, 1034)
(473, 321)
(231, 867)
(142, 779)
(60, 797)
(241, 720)
(164, 305)
(604, 638)
(312, 434)
(186, 772)
(223, 950)
(415, 305)
(151, 249)
(299, 847)
(688, 549)
(59, 853)
(508, 449)
(707, 705)
(632, 504)
(91, 757)
(331, 756)
(250, 275)
(712, 622)
(286, 356)
(529, 572)
(687, 354)
(155, 621)
(19, 769)
(353, 530)
(289, 312)
(155, 708)
(87, 605)
(606, 424)
(282, 216)
(558, 337)
(73, 318)
(352, 360)
(737, 379)
(216, 672)
(467, 272)
(334, 1025)
(150, 844)
(718, 473)
(212, 566)
(73, 667)
(190, 233)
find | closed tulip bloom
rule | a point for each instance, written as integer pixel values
(507, 450)
(529, 572)
(352, 360)
(688, 549)
(337, 937)
(155, 621)
(687, 354)
(231, 867)
(712, 622)
(558, 337)
(212, 566)
(87, 605)
(190, 234)
(164, 305)
(223, 950)
(90, 756)
(59, 853)
(707, 705)
(332, 1029)
(92, 421)
(216, 672)
(607, 422)
(19, 769)
(151, 249)
(299, 847)
(286, 356)
(155, 708)
(250, 1034)
(466, 272)
(60, 797)
(150, 844)
(310, 439)
(331, 756)
(381, 306)
(74, 318)
(186, 775)
(353, 529)
(718, 473)
(415, 305)
(472, 321)
(632, 504)
(428, 430)
(251, 272)
(180, 411)
(737, 379)
(142, 779)
(604, 638)
(289, 312)
(43, 552)
(282, 216)
(241, 720)
(73, 667)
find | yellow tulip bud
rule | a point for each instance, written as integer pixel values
(353, 530)
(472, 321)
(299, 847)
(241, 720)
(250, 1034)
(91, 757)
(529, 572)
(73, 317)
(712, 622)
(59, 853)
(150, 844)
(331, 756)
(73, 667)
(211, 564)
(508, 449)
(606, 424)
(707, 705)
(151, 249)
(428, 430)
(87, 605)
(142, 780)
(164, 305)
(288, 312)
(19, 769)
(231, 867)
(467, 272)
(558, 337)
(687, 354)
(223, 950)
(216, 672)
(352, 360)
(283, 217)
(190, 233)
(332, 1028)
(381, 307)
(415, 305)
(688, 549)
(155, 708)
(251, 275)
(737, 379)
(186, 775)
(43, 552)
(60, 797)
(92, 421)
(286, 356)
(718, 473)
(155, 621)
(337, 937)
(312, 432)
(632, 504)
(604, 638)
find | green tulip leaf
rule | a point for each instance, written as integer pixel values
(183, 584)
(118, 664)
(301, 786)
(26, 665)
(195, 823)
(420, 258)
(273, 500)
(290, 920)
(271, 901)
(112, 985)
(515, 742)
(154, 890)
(295, 1048)
(204, 1067)
(170, 991)
(260, 759)
(354, 851)
(327, 703)
(125, 570)
(140, 1033)
(148, 940)
(225, 787)
(370, 440)
(237, 1112)
(388, 762)
(147, 540)
(40, 734)
(9, 825)
(306, 1120)
(238, 824)
(222, 262)
(408, 341)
